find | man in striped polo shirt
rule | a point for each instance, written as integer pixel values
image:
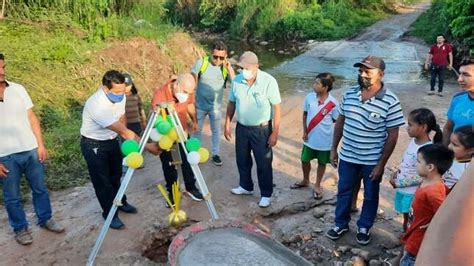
(370, 116)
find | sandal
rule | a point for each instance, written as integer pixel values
(317, 195)
(298, 185)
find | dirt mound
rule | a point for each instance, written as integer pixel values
(151, 63)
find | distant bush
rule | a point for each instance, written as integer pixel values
(454, 18)
(280, 19)
(99, 19)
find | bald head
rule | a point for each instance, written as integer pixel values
(185, 83)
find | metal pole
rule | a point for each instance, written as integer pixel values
(455, 72)
(118, 198)
(197, 172)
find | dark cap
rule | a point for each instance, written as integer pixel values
(128, 79)
(372, 62)
(247, 58)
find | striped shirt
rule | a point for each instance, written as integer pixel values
(366, 124)
(133, 108)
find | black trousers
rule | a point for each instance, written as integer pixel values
(171, 174)
(437, 71)
(104, 162)
(254, 139)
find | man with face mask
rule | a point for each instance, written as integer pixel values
(255, 97)
(103, 120)
(179, 91)
(370, 116)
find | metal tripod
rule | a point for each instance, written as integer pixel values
(128, 175)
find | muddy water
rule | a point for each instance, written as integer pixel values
(295, 70)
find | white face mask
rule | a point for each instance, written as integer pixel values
(182, 97)
(248, 75)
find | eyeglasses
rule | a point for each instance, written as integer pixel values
(222, 58)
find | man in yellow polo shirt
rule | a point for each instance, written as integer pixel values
(255, 97)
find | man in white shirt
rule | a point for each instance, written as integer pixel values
(22, 152)
(103, 121)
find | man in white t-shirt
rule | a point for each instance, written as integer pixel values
(22, 152)
(103, 121)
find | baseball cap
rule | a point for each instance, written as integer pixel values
(247, 58)
(372, 62)
(128, 79)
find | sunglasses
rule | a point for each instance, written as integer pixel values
(222, 58)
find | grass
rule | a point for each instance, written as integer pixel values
(49, 46)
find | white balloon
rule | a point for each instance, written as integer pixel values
(194, 158)
(155, 135)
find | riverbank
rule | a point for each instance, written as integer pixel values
(294, 217)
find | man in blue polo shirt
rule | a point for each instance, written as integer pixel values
(256, 98)
(461, 109)
(370, 116)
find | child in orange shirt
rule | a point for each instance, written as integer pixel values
(432, 162)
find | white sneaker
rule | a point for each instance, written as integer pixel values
(264, 202)
(240, 191)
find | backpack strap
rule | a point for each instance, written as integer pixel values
(204, 65)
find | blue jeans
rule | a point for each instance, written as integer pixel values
(349, 176)
(215, 118)
(407, 259)
(254, 139)
(18, 164)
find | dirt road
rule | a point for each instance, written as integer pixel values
(294, 217)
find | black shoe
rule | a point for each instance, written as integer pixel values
(363, 236)
(217, 160)
(128, 208)
(195, 194)
(116, 224)
(336, 232)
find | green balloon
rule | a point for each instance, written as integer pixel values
(163, 127)
(129, 146)
(193, 144)
(169, 121)
(158, 120)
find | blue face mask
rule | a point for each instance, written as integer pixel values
(115, 98)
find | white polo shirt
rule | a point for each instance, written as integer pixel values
(99, 113)
(16, 134)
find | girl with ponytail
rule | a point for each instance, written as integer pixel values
(421, 122)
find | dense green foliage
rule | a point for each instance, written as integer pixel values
(99, 19)
(453, 18)
(48, 47)
(281, 19)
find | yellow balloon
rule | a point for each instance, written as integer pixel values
(134, 160)
(204, 155)
(173, 135)
(165, 143)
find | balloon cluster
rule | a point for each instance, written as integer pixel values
(196, 153)
(177, 216)
(131, 150)
(166, 135)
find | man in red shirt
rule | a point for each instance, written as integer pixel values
(179, 91)
(437, 62)
(432, 162)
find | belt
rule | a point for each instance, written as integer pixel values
(98, 141)
(264, 124)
